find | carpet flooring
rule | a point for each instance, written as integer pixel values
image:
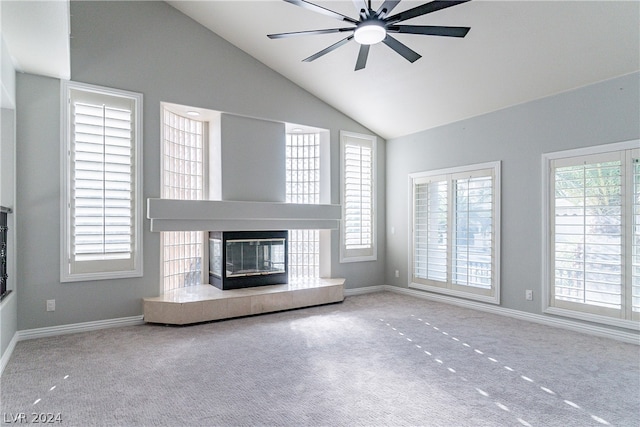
(379, 359)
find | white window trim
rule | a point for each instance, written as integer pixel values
(65, 223)
(372, 252)
(494, 296)
(547, 158)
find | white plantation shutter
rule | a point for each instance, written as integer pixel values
(102, 208)
(430, 228)
(455, 223)
(473, 237)
(635, 251)
(102, 194)
(358, 225)
(357, 197)
(588, 232)
(594, 241)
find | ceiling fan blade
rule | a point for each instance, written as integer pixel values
(386, 8)
(402, 49)
(422, 10)
(362, 56)
(310, 32)
(322, 10)
(429, 30)
(361, 5)
(328, 49)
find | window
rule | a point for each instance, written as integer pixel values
(102, 175)
(593, 212)
(358, 242)
(455, 231)
(303, 186)
(183, 178)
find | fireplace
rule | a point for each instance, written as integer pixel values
(243, 259)
(3, 251)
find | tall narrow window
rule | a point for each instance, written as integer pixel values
(594, 216)
(635, 251)
(358, 241)
(455, 222)
(303, 186)
(183, 178)
(101, 204)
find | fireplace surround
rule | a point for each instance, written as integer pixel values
(242, 259)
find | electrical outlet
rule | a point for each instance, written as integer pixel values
(528, 294)
(51, 305)
(397, 273)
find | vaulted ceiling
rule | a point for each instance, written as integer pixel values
(516, 51)
(37, 36)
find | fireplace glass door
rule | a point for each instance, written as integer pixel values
(255, 256)
(241, 259)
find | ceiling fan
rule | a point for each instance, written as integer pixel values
(375, 26)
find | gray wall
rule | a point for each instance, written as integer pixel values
(9, 306)
(151, 48)
(252, 159)
(602, 113)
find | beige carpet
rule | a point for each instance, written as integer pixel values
(377, 359)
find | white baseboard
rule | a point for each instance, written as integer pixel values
(364, 290)
(7, 353)
(624, 336)
(79, 327)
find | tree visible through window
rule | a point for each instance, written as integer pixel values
(594, 250)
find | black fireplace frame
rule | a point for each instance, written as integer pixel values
(4, 228)
(224, 282)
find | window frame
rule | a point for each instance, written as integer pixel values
(104, 269)
(371, 252)
(628, 150)
(447, 287)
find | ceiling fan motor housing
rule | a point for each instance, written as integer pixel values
(371, 31)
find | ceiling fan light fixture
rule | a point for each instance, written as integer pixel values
(370, 32)
(371, 27)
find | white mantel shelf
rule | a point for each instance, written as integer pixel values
(214, 215)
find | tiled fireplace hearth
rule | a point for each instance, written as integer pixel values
(203, 303)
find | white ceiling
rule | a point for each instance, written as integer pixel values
(516, 51)
(37, 36)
